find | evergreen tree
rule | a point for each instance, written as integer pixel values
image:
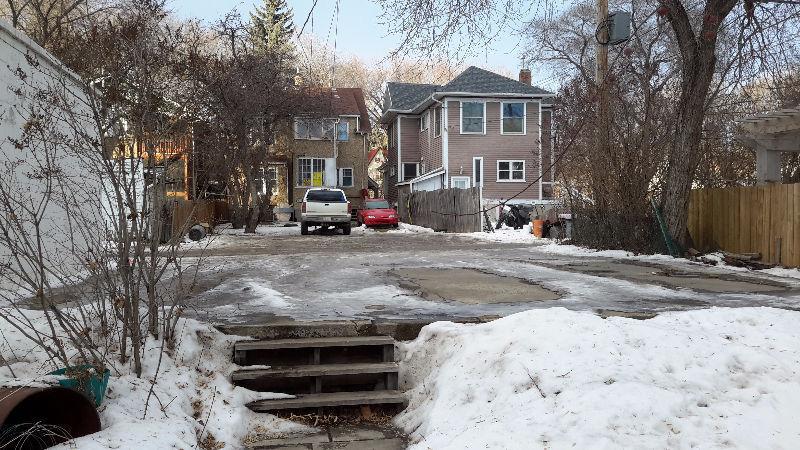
(272, 27)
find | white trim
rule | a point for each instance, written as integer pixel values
(541, 167)
(352, 177)
(445, 138)
(459, 178)
(428, 175)
(483, 173)
(461, 117)
(510, 171)
(524, 119)
(399, 151)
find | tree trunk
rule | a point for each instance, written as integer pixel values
(685, 155)
(255, 205)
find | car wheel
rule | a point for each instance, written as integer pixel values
(396, 225)
(346, 229)
(304, 229)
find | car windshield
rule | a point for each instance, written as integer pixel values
(378, 205)
(326, 196)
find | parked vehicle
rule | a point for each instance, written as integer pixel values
(323, 207)
(376, 212)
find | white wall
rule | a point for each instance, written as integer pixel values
(75, 188)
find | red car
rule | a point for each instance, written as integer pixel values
(376, 212)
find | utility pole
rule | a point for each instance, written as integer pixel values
(601, 74)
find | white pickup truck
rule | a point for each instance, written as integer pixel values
(325, 208)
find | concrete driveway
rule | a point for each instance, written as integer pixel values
(411, 274)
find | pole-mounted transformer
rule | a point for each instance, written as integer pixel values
(616, 29)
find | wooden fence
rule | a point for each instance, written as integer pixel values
(450, 210)
(759, 219)
(187, 213)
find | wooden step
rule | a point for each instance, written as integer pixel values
(329, 399)
(354, 341)
(314, 371)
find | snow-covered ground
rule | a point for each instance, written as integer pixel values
(193, 399)
(715, 378)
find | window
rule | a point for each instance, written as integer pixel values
(477, 171)
(392, 171)
(383, 204)
(325, 195)
(513, 118)
(459, 182)
(510, 170)
(313, 129)
(437, 121)
(423, 122)
(343, 133)
(472, 115)
(346, 177)
(311, 172)
(410, 171)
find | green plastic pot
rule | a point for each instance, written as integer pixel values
(84, 379)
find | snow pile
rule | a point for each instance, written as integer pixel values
(509, 236)
(561, 379)
(193, 401)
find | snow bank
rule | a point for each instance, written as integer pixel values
(193, 399)
(561, 379)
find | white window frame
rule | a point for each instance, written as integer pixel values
(347, 130)
(403, 177)
(299, 172)
(459, 178)
(424, 121)
(461, 118)
(524, 119)
(511, 170)
(352, 177)
(437, 125)
(477, 161)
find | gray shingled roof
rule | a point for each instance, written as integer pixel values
(406, 96)
(481, 81)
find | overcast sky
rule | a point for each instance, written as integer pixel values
(360, 32)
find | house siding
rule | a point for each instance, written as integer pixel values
(494, 146)
(351, 154)
(549, 173)
(391, 167)
(409, 139)
(430, 146)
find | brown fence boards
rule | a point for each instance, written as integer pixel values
(187, 213)
(450, 210)
(758, 219)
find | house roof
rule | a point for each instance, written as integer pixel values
(405, 96)
(477, 80)
(374, 152)
(350, 102)
(413, 97)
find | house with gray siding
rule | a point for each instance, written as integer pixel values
(480, 129)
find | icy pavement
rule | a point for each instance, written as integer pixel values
(278, 274)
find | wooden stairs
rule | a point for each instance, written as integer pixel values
(319, 372)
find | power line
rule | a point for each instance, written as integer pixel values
(335, 41)
(308, 17)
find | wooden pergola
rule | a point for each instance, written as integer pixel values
(770, 134)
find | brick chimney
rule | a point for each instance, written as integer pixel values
(525, 76)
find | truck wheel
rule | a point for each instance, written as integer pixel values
(346, 229)
(304, 229)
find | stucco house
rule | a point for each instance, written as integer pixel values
(480, 129)
(330, 151)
